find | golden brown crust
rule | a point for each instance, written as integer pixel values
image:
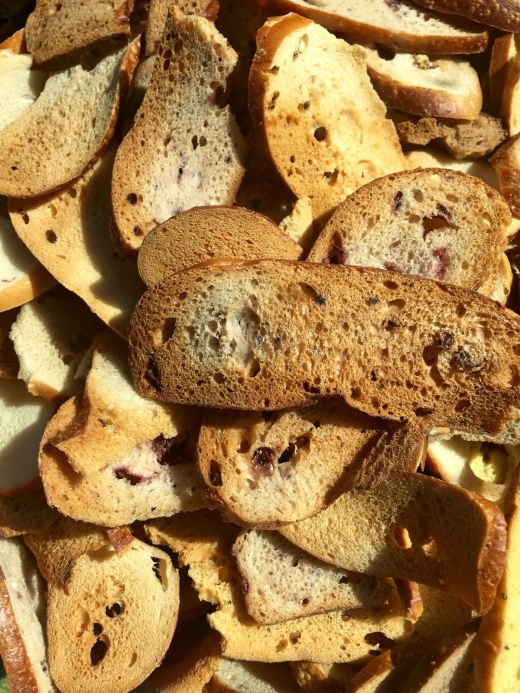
(502, 56)
(506, 162)
(27, 287)
(16, 42)
(504, 14)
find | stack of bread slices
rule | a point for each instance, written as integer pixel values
(259, 346)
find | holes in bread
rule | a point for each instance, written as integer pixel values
(116, 609)
(293, 448)
(262, 462)
(151, 375)
(51, 236)
(158, 569)
(401, 537)
(331, 176)
(215, 473)
(336, 254)
(164, 332)
(417, 195)
(379, 639)
(320, 133)
(294, 637)
(132, 198)
(177, 47)
(97, 629)
(98, 650)
(389, 284)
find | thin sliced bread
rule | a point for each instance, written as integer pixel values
(443, 87)
(267, 470)
(68, 232)
(506, 162)
(417, 222)
(204, 543)
(156, 478)
(61, 146)
(365, 324)
(324, 149)
(19, 85)
(122, 600)
(399, 528)
(502, 57)
(511, 98)
(24, 514)
(22, 610)
(402, 26)
(158, 13)
(504, 15)
(205, 233)
(182, 118)
(280, 582)
(9, 364)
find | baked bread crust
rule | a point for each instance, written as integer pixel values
(504, 14)
(158, 13)
(506, 162)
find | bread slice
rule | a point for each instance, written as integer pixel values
(381, 675)
(281, 582)
(15, 42)
(443, 87)
(140, 81)
(251, 332)
(9, 364)
(299, 226)
(113, 418)
(139, 486)
(193, 152)
(22, 276)
(323, 149)
(23, 514)
(204, 543)
(20, 85)
(502, 57)
(402, 26)
(506, 162)
(254, 677)
(511, 98)
(266, 470)
(205, 233)
(417, 222)
(158, 13)
(113, 604)
(316, 677)
(24, 418)
(68, 232)
(503, 15)
(430, 157)
(464, 140)
(22, 610)
(398, 529)
(53, 336)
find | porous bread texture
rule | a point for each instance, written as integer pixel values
(464, 140)
(59, 36)
(504, 14)
(498, 642)
(184, 149)
(23, 514)
(68, 232)
(19, 85)
(52, 336)
(158, 13)
(400, 25)
(22, 610)
(280, 582)
(9, 364)
(299, 226)
(419, 222)
(429, 157)
(254, 677)
(413, 527)
(204, 544)
(324, 149)
(316, 677)
(22, 276)
(61, 147)
(114, 418)
(23, 418)
(443, 87)
(443, 353)
(265, 470)
(207, 233)
(140, 486)
(506, 162)
(113, 604)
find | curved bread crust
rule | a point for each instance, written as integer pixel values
(443, 87)
(205, 233)
(506, 162)
(251, 330)
(201, 148)
(158, 12)
(402, 26)
(323, 148)
(267, 470)
(400, 527)
(504, 14)
(417, 222)
(502, 57)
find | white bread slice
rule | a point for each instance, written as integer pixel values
(140, 486)
(22, 610)
(511, 98)
(53, 336)
(416, 222)
(19, 85)
(22, 276)
(379, 531)
(68, 232)
(106, 643)
(9, 364)
(357, 314)
(280, 582)
(62, 148)
(201, 148)
(158, 13)
(59, 36)
(498, 642)
(402, 26)
(324, 149)
(206, 233)
(443, 87)
(506, 162)
(252, 677)
(266, 470)
(106, 428)
(429, 157)
(502, 56)
(24, 418)
(23, 514)
(204, 543)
